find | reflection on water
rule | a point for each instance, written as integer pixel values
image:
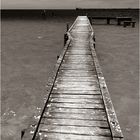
(29, 53)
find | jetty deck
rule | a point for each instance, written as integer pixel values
(78, 105)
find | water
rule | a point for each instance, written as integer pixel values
(29, 53)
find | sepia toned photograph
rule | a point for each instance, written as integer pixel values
(69, 70)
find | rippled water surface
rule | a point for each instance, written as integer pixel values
(29, 53)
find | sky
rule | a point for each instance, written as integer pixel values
(68, 4)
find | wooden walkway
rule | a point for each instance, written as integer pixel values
(78, 105)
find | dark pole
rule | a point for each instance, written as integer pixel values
(67, 26)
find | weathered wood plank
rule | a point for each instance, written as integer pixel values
(80, 50)
(78, 92)
(77, 72)
(88, 88)
(77, 116)
(75, 65)
(76, 68)
(76, 86)
(71, 100)
(75, 96)
(78, 53)
(74, 74)
(78, 56)
(82, 66)
(73, 122)
(76, 130)
(72, 105)
(77, 83)
(68, 136)
(90, 112)
(72, 79)
(79, 62)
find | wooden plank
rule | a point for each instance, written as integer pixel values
(80, 42)
(77, 86)
(76, 71)
(78, 59)
(71, 100)
(78, 53)
(74, 74)
(72, 79)
(90, 112)
(72, 47)
(76, 68)
(76, 130)
(88, 88)
(75, 96)
(73, 122)
(79, 62)
(87, 83)
(75, 65)
(77, 116)
(80, 36)
(82, 28)
(81, 49)
(72, 105)
(78, 92)
(78, 56)
(66, 136)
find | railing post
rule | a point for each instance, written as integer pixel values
(67, 26)
(65, 38)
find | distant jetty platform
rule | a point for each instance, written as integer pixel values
(39, 13)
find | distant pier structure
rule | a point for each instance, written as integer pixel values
(44, 14)
(78, 106)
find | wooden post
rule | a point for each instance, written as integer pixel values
(119, 22)
(44, 14)
(108, 20)
(124, 24)
(65, 38)
(22, 133)
(67, 26)
(133, 24)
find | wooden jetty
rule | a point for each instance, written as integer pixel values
(78, 105)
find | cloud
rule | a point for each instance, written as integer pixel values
(68, 4)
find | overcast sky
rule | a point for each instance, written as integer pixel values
(68, 4)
